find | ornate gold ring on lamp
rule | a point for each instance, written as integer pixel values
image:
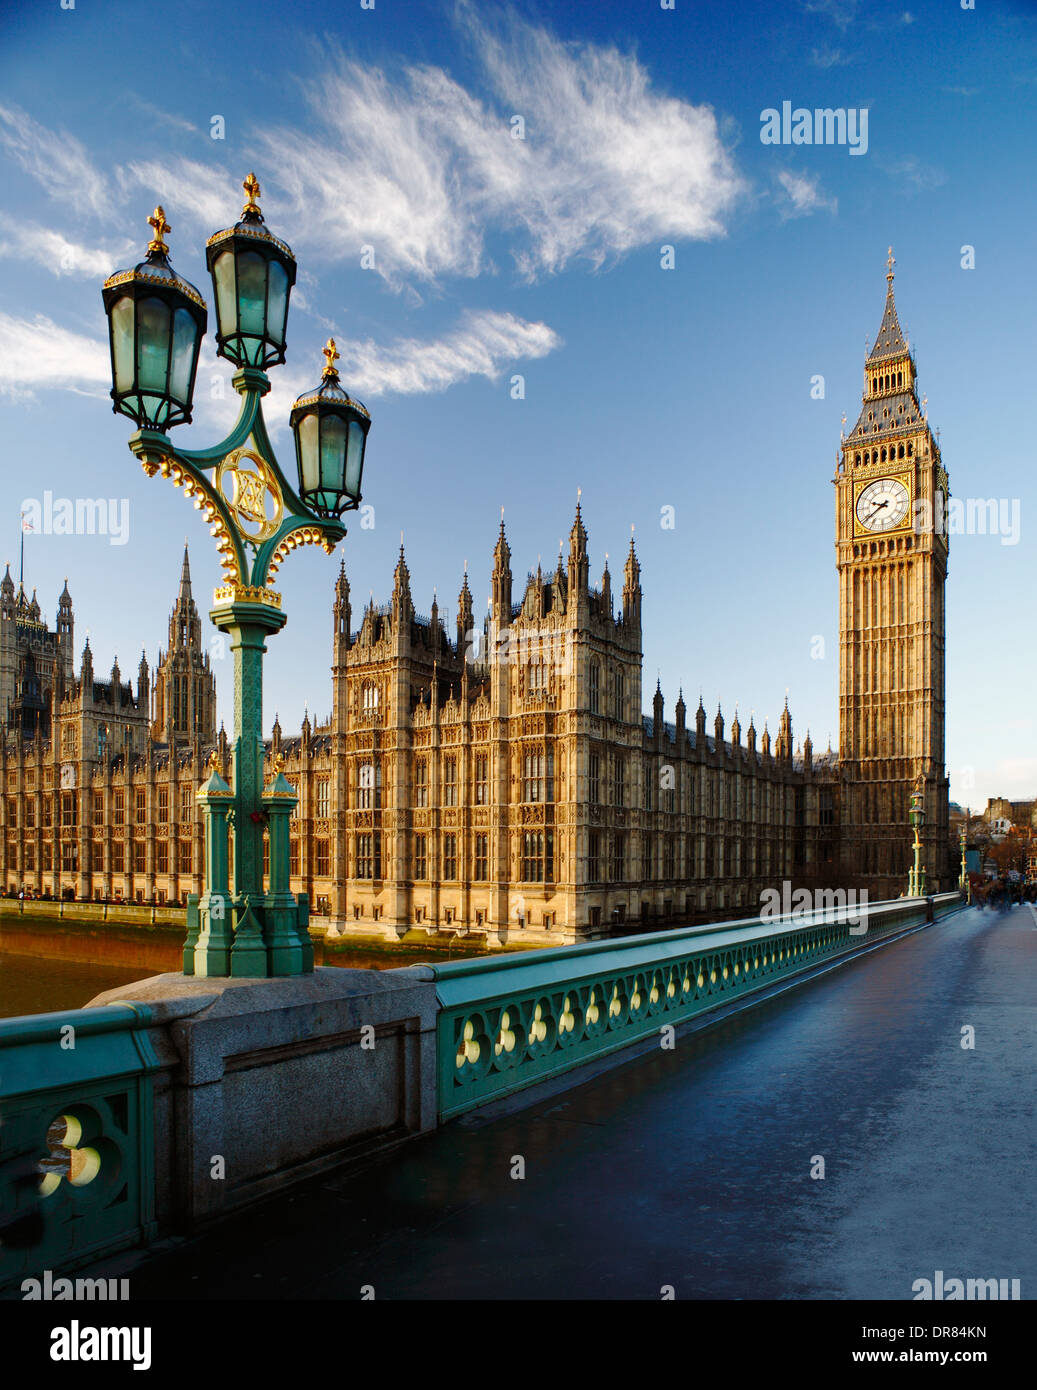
(255, 498)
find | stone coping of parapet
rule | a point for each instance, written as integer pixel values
(172, 996)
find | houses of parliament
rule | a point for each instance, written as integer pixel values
(505, 780)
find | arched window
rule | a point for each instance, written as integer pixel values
(900, 378)
(900, 451)
(856, 458)
(910, 450)
(883, 453)
(369, 697)
(595, 688)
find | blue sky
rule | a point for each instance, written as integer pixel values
(648, 388)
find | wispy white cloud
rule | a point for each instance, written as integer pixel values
(801, 195)
(424, 170)
(28, 241)
(828, 57)
(41, 355)
(56, 160)
(842, 13)
(911, 170)
(483, 344)
(204, 193)
(164, 117)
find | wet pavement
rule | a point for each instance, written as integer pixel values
(693, 1168)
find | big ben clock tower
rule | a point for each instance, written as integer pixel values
(891, 554)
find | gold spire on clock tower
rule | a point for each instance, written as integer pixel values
(891, 554)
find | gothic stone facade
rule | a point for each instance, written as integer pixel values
(503, 779)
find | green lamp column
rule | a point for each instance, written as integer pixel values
(156, 322)
(916, 881)
(290, 947)
(207, 950)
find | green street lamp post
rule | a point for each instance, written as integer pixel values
(963, 879)
(239, 926)
(916, 878)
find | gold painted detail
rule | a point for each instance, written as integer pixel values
(258, 231)
(255, 497)
(305, 535)
(314, 397)
(169, 282)
(157, 221)
(332, 355)
(245, 593)
(252, 191)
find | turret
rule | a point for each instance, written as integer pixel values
(657, 711)
(465, 621)
(632, 588)
(578, 562)
(343, 611)
(402, 605)
(680, 713)
(783, 743)
(718, 729)
(501, 579)
(700, 721)
(143, 683)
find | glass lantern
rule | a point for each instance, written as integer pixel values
(252, 275)
(156, 322)
(330, 429)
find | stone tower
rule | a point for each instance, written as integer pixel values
(891, 548)
(185, 688)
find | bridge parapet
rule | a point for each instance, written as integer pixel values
(512, 1022)
(77, 1149)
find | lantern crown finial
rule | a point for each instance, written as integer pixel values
(157, 221)
(332, 354)
(252, 191)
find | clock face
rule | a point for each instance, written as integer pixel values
(883, 504)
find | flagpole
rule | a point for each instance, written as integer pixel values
(21, 561)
